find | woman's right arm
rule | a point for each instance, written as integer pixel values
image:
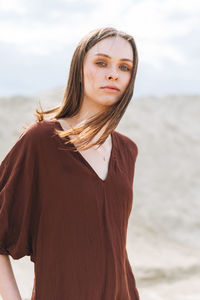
(8, 285)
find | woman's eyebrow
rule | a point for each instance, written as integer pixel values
(106, 55)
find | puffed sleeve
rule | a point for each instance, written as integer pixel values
(18, 196)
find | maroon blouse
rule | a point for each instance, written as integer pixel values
(55, 208)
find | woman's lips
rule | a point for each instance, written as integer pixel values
(110, 89)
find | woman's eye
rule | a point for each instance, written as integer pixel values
(125, 68)
(100, 63)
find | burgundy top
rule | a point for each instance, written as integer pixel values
(55, 208)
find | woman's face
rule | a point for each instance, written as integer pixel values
(107, 71)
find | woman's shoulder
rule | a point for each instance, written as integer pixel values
(27, 143)
(35, 137)
(126, 142)
(38, 131)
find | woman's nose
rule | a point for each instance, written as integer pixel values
(112, 75)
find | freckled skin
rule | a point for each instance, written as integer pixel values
(101, 71)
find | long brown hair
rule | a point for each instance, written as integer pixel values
(74, 94)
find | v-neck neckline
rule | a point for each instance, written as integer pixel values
(83, 159)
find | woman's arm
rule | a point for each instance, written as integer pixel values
(8, 286)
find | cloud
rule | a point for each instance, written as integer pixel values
(152, 22)
(164, 30)
(13, 6)
(36, 37)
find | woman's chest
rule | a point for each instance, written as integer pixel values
(73, 184)
(98, 161)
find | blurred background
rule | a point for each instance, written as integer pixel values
(37, 40)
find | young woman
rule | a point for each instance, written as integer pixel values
(67, 184)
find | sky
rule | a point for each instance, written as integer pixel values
(37, 40)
